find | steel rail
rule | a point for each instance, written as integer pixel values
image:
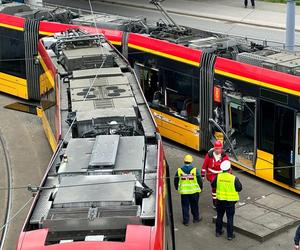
(9, 192)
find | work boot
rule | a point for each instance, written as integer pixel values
(214, 205)
(231, 238)
(219, 234)
(197, 220)
(185, 224)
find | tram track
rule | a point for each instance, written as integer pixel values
(8, 206)
(24, 157)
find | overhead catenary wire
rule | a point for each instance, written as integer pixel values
(281, 46)
(88, 92)
(66, 135)
(37, 187)
(129, 53)
(16, 214)
(91, 11)
(242, 19)
(214, 31)
(91, 85)
(100, 183)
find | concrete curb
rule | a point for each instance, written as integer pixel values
(207, 16)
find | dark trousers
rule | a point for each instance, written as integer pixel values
(187, 201)
(252, 2)
(222, 208)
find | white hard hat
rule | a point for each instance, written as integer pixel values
(225, 165)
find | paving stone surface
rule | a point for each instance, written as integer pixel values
(267, 216)
(250, 211)
(292, 209)
(275, 201)
(273, 220)
(247, 226)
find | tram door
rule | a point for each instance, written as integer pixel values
(240, 127)
(284, 148)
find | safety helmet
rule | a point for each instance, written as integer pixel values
(218, 144)
(188, 159)
(225, 165)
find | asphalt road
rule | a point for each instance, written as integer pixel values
(201, 236)
(29, 154)
(193, 22)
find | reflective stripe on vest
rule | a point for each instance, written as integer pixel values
(215, 171)
(188, 183)
(226, 187)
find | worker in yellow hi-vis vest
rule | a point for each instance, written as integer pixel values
(188, 182)
(227, 188)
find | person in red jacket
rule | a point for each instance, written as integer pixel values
(211, 165)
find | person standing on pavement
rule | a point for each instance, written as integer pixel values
(188, 182)
(228, 187)
(252, 2)
(211, 165)
(297, 238)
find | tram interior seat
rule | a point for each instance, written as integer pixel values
(157, 98)
(187, 108)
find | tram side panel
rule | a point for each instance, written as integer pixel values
(262, 158)
(171, 89)
(49, 110)
(12, 62)
(15, 67)
(264, 122)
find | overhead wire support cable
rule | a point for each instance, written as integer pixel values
(16, 214)
(36, 189)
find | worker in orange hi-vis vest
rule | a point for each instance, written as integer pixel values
(211, 165)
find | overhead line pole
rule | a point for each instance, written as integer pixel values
(290, 24)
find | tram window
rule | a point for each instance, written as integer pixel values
(151, 83)
(12, 52)
(181, 99)
(179, 82)
(176, 102)
(274, 96)
(267, 123)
